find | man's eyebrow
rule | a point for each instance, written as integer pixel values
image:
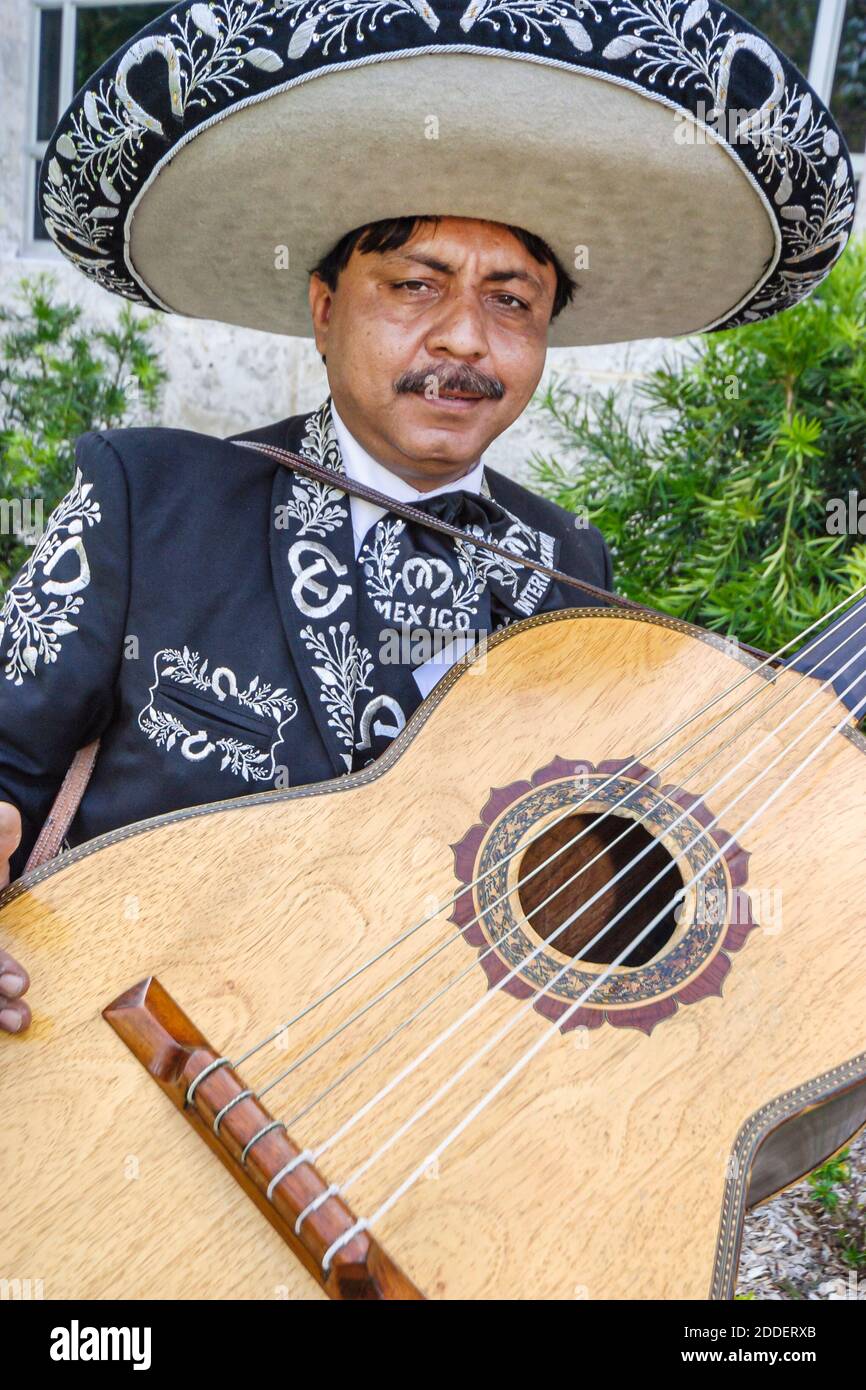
(497, 275)
(430, 261)
(515, 275)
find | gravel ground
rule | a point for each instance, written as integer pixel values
(792, 1246)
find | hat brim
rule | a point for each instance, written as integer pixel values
(667, 228)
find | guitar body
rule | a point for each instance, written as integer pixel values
(618, 1163)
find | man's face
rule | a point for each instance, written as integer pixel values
(434, 349)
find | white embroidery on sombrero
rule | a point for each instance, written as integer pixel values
(108, 129)
(329, 19)
(31, 615)
(131, 59)
(98, 166)
(537, 15)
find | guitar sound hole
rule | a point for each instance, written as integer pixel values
(601, 831)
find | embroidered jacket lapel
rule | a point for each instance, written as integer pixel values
(313, 563)
(316, 577)
(536, 592)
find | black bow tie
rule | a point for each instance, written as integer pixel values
(482, 516)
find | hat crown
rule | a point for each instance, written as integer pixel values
(152, 110)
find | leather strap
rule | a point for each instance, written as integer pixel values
(410, 513)
(72, 789)
(63, 807)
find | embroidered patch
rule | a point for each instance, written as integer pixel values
(39, 606)
(196, 736)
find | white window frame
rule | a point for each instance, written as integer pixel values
(825, 60)
(822, 72)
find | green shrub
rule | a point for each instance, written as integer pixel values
(59, 378)
(712, 487)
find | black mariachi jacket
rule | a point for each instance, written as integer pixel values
(190, 603)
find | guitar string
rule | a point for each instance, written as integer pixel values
(489, 907)
(554, 1028)
(443, 1037)
(570, 810)
(334, 1084)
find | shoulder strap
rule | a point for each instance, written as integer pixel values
(410, 513)
(64, 806)
(66, 802)
(405, 509)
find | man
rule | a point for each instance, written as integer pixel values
(224, 626)
(434, 344)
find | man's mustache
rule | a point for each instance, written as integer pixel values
(459, 376)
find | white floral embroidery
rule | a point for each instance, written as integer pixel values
(162, 727)
(241, 758)
(377, 558)
(183, 666)
(321, 21)
(535, 16)
(318, 507)
(315, 505)
(320, 443)
(667, 40)
(807, 234)
(482, 564)
(37, 610)
(343, 668)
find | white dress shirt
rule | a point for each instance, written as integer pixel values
(361, 467)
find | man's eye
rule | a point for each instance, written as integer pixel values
(399, 284)
(519, 303)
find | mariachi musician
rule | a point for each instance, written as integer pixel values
(388, 180)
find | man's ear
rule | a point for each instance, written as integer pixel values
(320, 299)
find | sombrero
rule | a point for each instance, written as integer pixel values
(678, 164)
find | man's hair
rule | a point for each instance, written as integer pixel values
(391, 233)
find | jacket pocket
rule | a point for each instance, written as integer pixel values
(215, 714)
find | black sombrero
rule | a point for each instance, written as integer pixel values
(679, 165)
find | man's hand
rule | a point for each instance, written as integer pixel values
(14, 980)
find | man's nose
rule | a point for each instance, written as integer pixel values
(459, 327)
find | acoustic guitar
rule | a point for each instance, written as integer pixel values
(535, 1006)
